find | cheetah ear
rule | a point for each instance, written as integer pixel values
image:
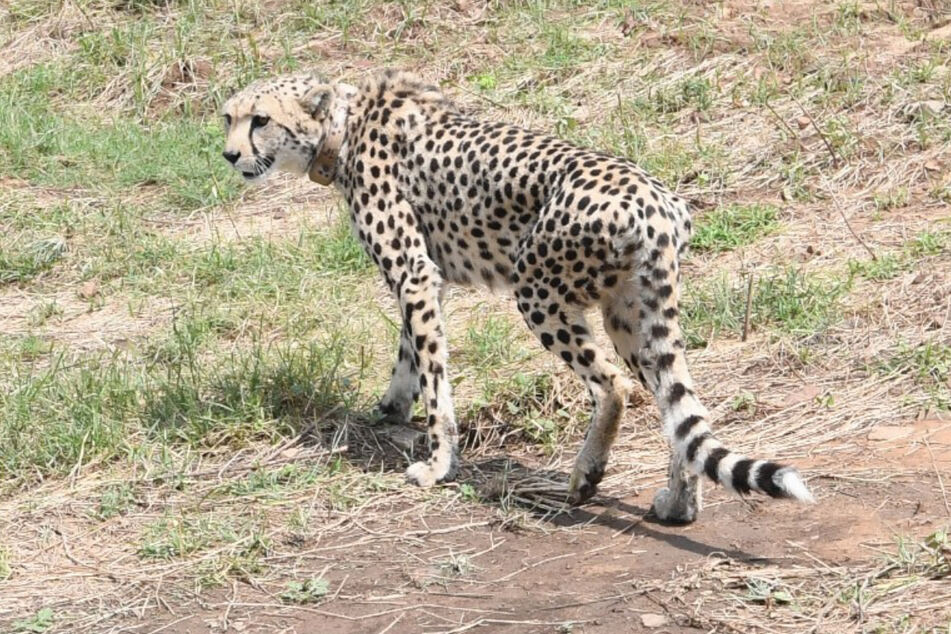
(316, 101)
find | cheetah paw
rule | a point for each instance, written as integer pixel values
(667, 508)
(584, 484)
(421, 474)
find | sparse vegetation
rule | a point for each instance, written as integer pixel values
(308, 591)
(786, 300)
(733, 226)
(188, 366)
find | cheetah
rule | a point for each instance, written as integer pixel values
(437, 196)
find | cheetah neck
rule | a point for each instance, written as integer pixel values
(324, 166)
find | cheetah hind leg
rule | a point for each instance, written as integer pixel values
(569, 337)
(680, 501)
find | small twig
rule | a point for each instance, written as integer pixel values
(395, 621)
(838, 207)
(934, 465)
(477, 95)
(749, 307)
(481, 622)
(792, 133)
(835, 157)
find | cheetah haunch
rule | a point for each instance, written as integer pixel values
(436, 196)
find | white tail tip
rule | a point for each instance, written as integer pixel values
(791, 482)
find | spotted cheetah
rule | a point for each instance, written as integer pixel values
(437, 196)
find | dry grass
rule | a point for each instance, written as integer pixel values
(184, 437)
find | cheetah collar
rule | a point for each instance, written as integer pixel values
(324, 166)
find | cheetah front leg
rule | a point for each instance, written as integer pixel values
(397, 404)
(419, 296)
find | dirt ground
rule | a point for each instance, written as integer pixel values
(609, 566)
(224, 533)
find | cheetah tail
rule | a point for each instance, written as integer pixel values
(704, 454)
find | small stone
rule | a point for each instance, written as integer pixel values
(885, 433)
(923, 110)
(653, 620)
(89, 289)
(803, 122)
(405, 438)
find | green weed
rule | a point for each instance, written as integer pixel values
(17, 266)
(929, 363)
(174, 537)
(784, 300)
(885, 267)
(733, 226)
(309, 591)
(36, 624)
(115, 500)
(929, 243)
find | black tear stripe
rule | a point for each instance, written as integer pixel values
(765, 483)
(683, 429)
(254, 149)
(713, 462)
(741, 475)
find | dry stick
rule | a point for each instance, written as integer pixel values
(362, 617)
(934, 465)
(792, 133)
(395, 621)
(481, 622)
(838, 207)
(749, 306)
(613, 597)
(835, 157)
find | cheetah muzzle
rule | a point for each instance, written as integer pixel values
(437, 196)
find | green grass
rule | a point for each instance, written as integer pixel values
(173, 537)
(929, 364)
(37, 623)
(308, 591)
(493, 342)
(785, 300)
(913, 253)
(115, 500)
(929, 243)
(21, 264)
(101, 406)
(274, 482)
(727, 228)
(90, 151)
(885, 267)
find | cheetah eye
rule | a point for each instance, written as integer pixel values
(227, 118)
(259, 120)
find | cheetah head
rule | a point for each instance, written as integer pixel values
(277, 124)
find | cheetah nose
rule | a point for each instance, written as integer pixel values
(231, 157)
